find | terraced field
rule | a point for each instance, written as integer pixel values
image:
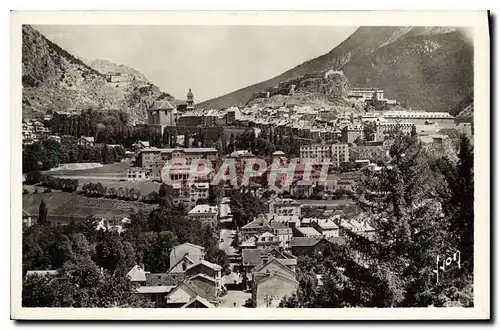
(65, 205)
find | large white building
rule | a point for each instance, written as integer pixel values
(285, 207)
(335, 153)
(364, 94)
(385, 128)
(204, 213)
(409, 115)
(199, 190)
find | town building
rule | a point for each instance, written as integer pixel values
(160, 115)
(137, 174)
(199, 190)
(87, 141)
(204, 213)
(302, 188)
(326, 227)
(334, 153)
(350, 133)
(266, 240)
(137, 275)
(195, 253)
(117, 77)
(113, 224)
(385, 128)
(258, 226)
(272, 282)
(208, 269)
(358, 226)
(184, 293)
(306, 232)
(198, 302)
(371, 153)
(284, 206)
(419, 117)
(178, 161)
(309, 245)
(364, 94)
(283, 232)
(28, 219)
(55, 138)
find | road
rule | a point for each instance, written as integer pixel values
(225, 211)
(235, 299)
(227, 237)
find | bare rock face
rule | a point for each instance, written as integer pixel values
(335, 86)
(55, 80)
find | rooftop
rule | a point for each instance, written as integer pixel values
(304, 241)
(204, 208)
(207, 264)
(251, 257)
(258, 222)
(155, 289)
(137, 274)
(309, 231)
(161, 105)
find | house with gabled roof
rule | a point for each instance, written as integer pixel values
(309, 245)
(269, 290)
(208, 284)
(184, 292)
(258, 226)
(154, 293)
(182, 264)
(210, 269)
(198, 302)
(168, 279)
(271, 282)
(137, 275)
(272, 265)
(253, 258)
(196, 253)
(326, 227)
(266, 240)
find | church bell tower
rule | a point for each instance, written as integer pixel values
(190, 100)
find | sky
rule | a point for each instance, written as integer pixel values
(211, 60)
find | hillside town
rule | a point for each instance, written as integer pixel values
(306, 193)
(314, 191)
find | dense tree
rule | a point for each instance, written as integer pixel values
(220, 258)
(109, 250)
(158, 258)
(42, 214)
(80, 284)
(393, 268)
(47, 153)
(61, 251)
(245, 207)
(89, 228)
(166, 195)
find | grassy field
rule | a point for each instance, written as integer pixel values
(109, 175)
(71, 204)
(111, 170)
(145, 187)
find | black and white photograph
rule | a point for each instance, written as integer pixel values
(295, 166)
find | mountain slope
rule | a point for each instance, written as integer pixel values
(55, 80)
(405, 61)
(104, 67)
